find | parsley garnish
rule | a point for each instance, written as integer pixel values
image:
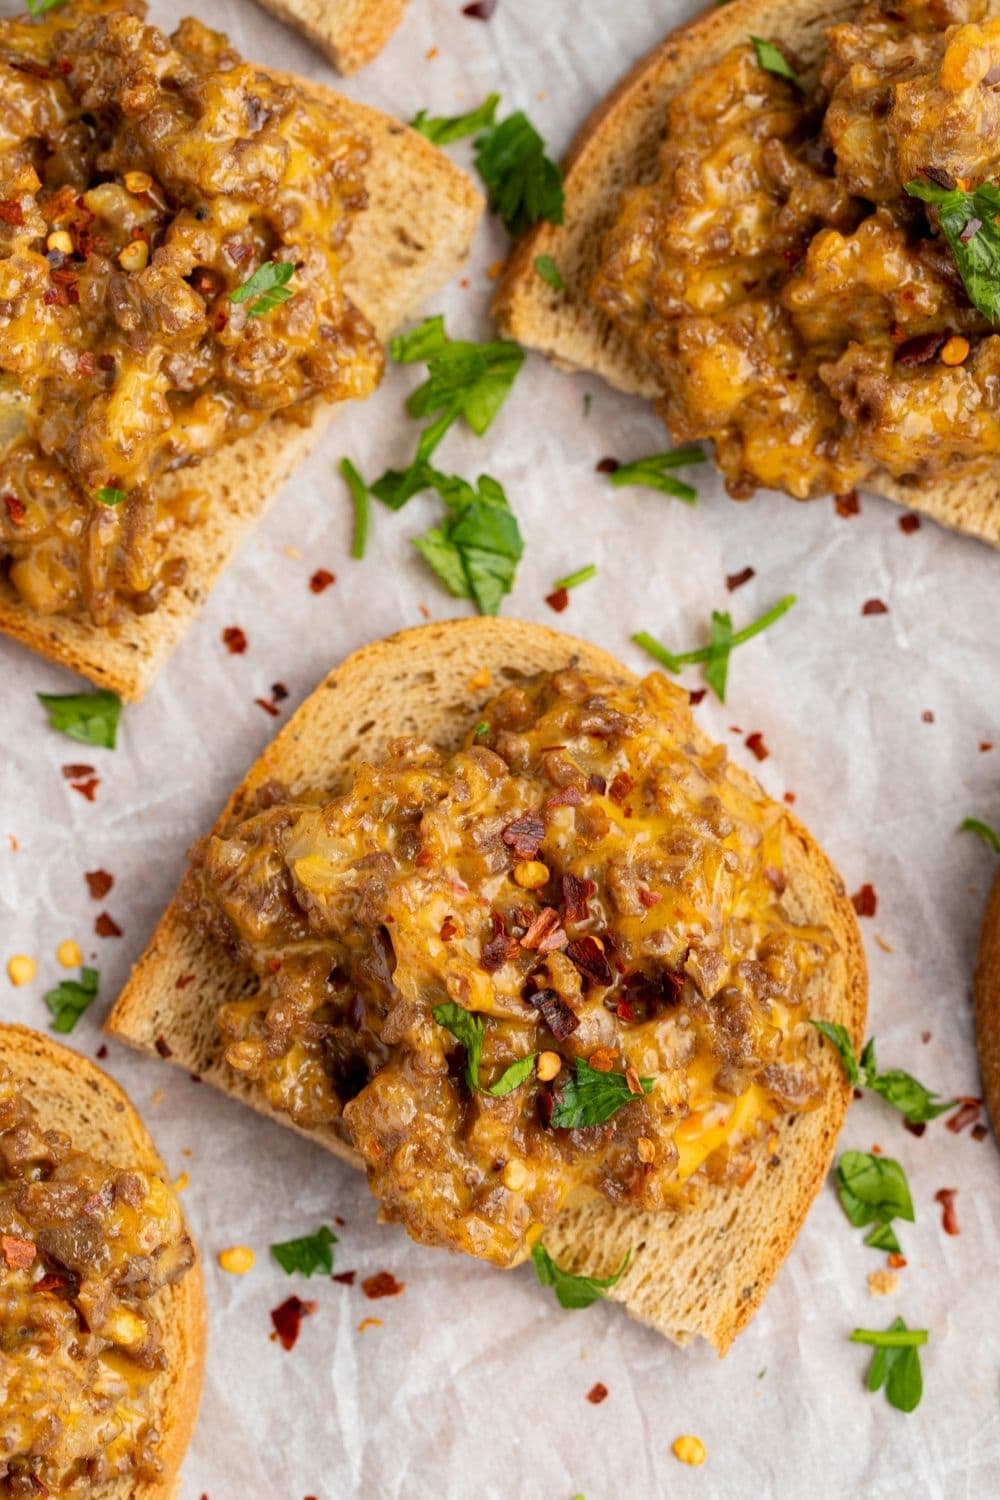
(71, 998)
(444, 129)
(476, 549)
(968, 222)
(522, 183)
(917, 1103)
(550, 272)
(110, 496)
(573, 1291)
(582, 575)
(896, 1364)
(481, 728)
(589, 1097)
(716, 654)
(512, 1077)
(39, 7)
(311, 1253)
(266, 288)
(651, 473)
(874, 1190)
(466, 1027)
(91, 718)
(773, 60)
(362, 511)
(989, 835)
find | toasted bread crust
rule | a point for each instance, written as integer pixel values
(617, 147)
(702, 1272)
(73, 1095)
(987, 990)
(416, 231)
(349, 32)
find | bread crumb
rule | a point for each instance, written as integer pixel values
(886, 947)
(882, 1283)
(481, 680)
(369, 1323)
(496, 270)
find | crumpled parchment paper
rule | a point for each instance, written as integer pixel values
(475, 1382)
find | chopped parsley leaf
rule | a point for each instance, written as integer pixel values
(571, 1290)
(874, 1190)
(989, 835)
(266, 288)
(71, 998)
(110, 496)
(311, 1253)
(721, 642)
(444, 129)
(904, 1092)
(362, 510)
(773, 60)
(549, 272)
(896, 1364)
(522, 184)
(651, 473)
(91, 718)
(968, 222)
(589, 1097)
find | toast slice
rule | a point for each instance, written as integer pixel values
(702, 1272)
(71, 1094)
(617, 147)
(348, 32)
(421, 216)
(988, 1005)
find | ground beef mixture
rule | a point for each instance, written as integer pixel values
(794, 301)
(589, 884)
(83, 1248)
(143, 180)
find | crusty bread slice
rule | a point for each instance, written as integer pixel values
(617, 147)
(71, 1094)
(702, 1272)
(349, 32)
(416, 231)
(988, 1005)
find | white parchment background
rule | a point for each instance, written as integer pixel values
(476, 1382)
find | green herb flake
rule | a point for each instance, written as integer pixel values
(549, 272)
(362, 510)
(91, 718)
(514, 1076)
(311, 1253)
(468, 1029)
(904, 1092)
(71, 998)
(874, 1190)
(652, 473)
(443, 130)
(475, 551)
(266, 288)
(989, 836)
(968, 222)
(840, 1038)
(40, 7)
(582, 575)
(721, 642)
(109, 496)
(522, 183)
(896, 1364)
(773, 60)
(481, 728)
(573, 1291)
(589, 1097)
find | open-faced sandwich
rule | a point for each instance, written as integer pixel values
(782, 228)
(349, 32)
(182, 300)
(493, 918)
(101, 1304)
(988, 1006)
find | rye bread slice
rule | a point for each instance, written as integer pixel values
(617, 147)
(348, 32)
(414, 234)
(72, 1094)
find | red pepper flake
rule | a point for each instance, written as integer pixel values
(99, 883)
(985, 745)
(909, 523)
(561, 1019)
(928, 716)
(279, 692)
(321, 580)
(649, 899)
(755, 744)
(545, 932)
(632, 1079)
(76, 772)
(346, 1278)
(570, 796)
(558, 600)
(949, 1219)
(865, 901)
(847, 505)
(966, 1114)
(695, 696)
(789, 797)
(106, 926)
(499, 947)
(620, 787)
(607, 466)
(897, 1261)
(480, 10)
(449, 929)
(597, 1393)
(876, 1150)
(18, 1252)
(576, 894)
(234, 639)
(86, 363)
(87, 788)
(16, 509)
(920, 349)
(979, 1132)
(101, 1053)
(163, 1047)
(56, 1281)
(588, 954)
(925, 1037)
(11, 212)
(382, 1284)
(525, 835)
(269, 708)
(775, 879)
(287, 1320)
(737, 580)
(874, 607)
(915, 1127)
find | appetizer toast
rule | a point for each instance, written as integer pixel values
(701, 1271)
(414, 233)
(617, 148)
(70, 1095)
(988, 1005)
(349, 32)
